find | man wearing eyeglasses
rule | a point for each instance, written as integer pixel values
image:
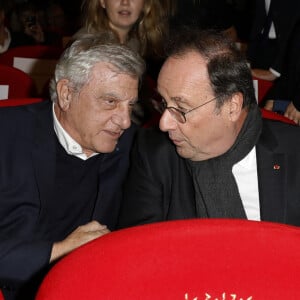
(215, 156)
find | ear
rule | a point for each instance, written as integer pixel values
(64, 94)
(235, 106)
(102, 3)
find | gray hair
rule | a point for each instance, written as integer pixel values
(77, 61)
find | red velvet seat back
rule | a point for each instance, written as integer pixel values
(19, 101)
(271, 115)
(263, 86)
(20, 84)
(32, 51)
(184, 260)
(36, 60)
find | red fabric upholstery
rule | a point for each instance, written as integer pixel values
(40, 69)
(19, 83)
(19, 101)
(267, 114)
(263, 87)
(34, 51)
(1, 296)
(187, 259)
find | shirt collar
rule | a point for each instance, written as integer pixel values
(248, 161)
(67, 142)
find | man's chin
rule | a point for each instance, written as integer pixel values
(185, 153)
(107, 148)
(181, 152)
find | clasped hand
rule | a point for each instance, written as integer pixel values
(80, 236)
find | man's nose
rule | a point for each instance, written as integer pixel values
(167, 122)
(122, 118)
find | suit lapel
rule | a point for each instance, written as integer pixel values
(271, 183)
(43, 155)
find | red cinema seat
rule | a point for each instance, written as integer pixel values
(20, 84)
(263, 86)
(32, 51)
(271, 115)
(186, 260)
(19, 101)
(36, 60)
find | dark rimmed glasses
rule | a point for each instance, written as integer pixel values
(178, 114)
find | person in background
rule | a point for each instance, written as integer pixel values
(5, 37)
(62, 163)
(56, 19)
(284, 95)
(139, 24)
(215, 157)
(271, 52)
(28, 28)
(272, 29)
(56, 22)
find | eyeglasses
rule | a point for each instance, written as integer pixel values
(180, 115)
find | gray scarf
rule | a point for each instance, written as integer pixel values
(216, 190)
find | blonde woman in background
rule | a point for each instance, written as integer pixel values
(140, 24)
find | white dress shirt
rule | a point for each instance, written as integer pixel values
(272, 32)
(245, 173)
(68, 143)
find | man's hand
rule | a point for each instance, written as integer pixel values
(77, 238)
(292, 113)
(36, 32)
(269, 105)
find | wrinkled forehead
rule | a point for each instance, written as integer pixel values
(188, 62)
(103, 69)
(105, 76)
(187, 69)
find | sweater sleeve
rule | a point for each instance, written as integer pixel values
(20, 261)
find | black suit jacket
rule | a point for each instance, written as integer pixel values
(287, 86)
(27, 171)
(285, 16)
(204, 14)
(159, 186)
